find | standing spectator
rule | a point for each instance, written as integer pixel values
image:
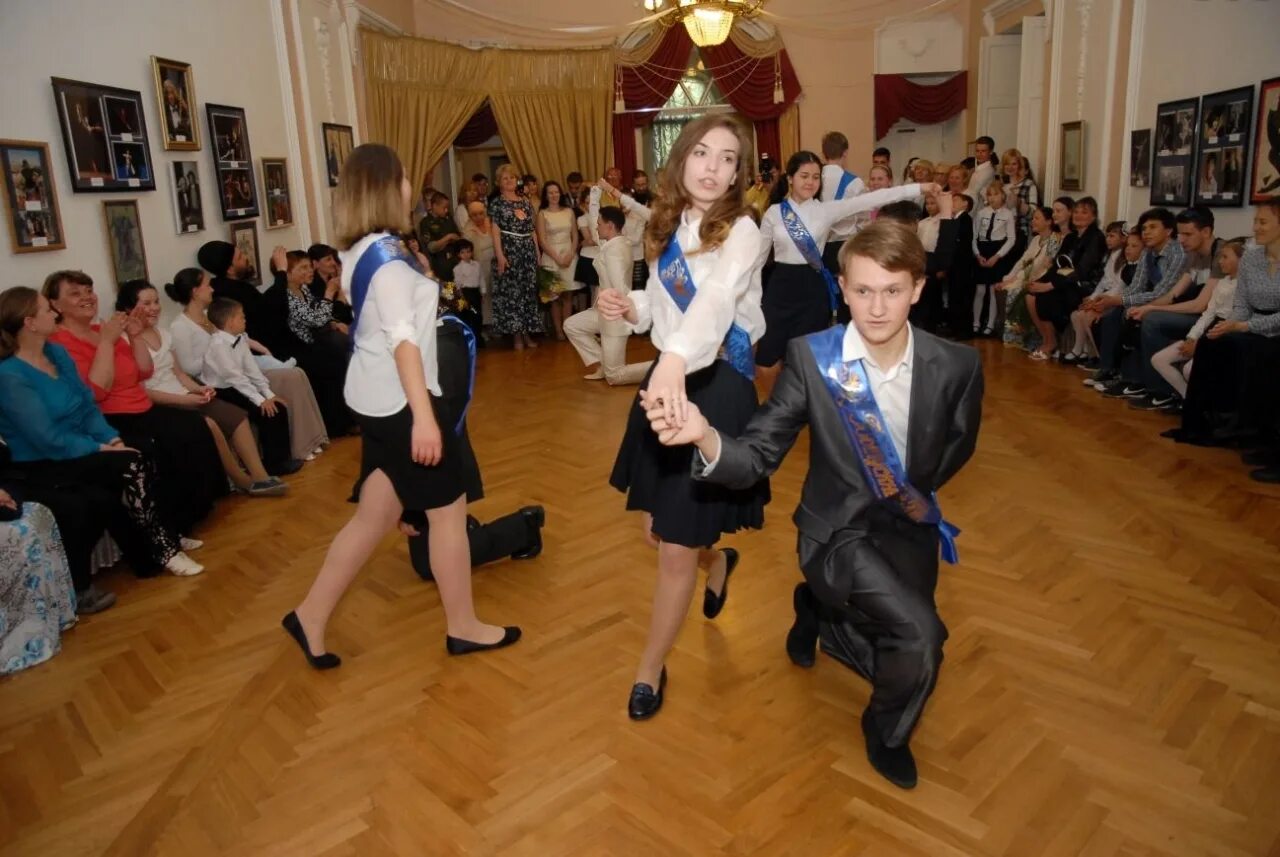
(515, 262)
(558, 237)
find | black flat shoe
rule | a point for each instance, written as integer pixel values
(645, 701)
(802, 639)
(327, 661)
(459, 646)
(712, 604)
(535, 517)
(285, 468)
(895, 764)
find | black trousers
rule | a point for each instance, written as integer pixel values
(875, 582)
(273, 432)
(927, 313)
(79, 511)
(1235, 383)
(495, 540)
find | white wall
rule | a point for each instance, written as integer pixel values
(231, 46)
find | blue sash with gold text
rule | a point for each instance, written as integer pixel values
(809, 249)
(869, 435)
(677, 279)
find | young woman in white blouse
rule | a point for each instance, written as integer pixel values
(409, 438)
(702, 300)
(802, 295)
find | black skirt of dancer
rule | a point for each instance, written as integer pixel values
(386, 445)
(659, 479)
(796, 303)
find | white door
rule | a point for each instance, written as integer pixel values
(1031, 93)
(999, 68)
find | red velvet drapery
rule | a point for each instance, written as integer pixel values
(897, 97)
(647, 87)
(480, 127)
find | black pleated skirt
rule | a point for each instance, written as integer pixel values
(796, 303)
(386, 445)
(659, 479)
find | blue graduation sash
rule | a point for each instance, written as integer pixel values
(869, 435)
(846, 178)
(677, 279)
(809, 249)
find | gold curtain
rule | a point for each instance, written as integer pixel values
(420, 95)
(789, 131)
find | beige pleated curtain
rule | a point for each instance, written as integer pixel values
(553, 108)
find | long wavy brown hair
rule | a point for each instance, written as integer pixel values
(672, 199)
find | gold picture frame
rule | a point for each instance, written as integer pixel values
(1072, 156)
(123, 224)
(277, 208)
(31, 200)
(176, 101)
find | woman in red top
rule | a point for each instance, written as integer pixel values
(189, 472)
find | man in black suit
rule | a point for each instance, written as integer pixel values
(875, 394)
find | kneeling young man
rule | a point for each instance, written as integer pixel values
(893, 414)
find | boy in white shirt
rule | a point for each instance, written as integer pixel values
(837, 183)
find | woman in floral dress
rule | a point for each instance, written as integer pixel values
(515, 262)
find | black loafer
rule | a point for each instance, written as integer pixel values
(535, 517)
(327, 661)
(286, 468)
(645, 701)
(802, 639)
(459, 646)
(895, 764)
(712, 604)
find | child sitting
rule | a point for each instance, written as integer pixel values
(1118, 271)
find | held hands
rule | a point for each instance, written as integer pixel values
(613, 305)
(666, 390)
(694, 430)
(426, 443)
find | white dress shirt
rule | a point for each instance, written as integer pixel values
(983, 173)
(637, 219)
(928, 230)
(399, 306)
(1219, 307)
(728, 283)
(995, 224)
(162, 379)
(466, 275)
(818, 216)
(229, 363)
(831, 175)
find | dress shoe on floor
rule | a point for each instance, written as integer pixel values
(712, 603)
(645, 701)
(535, 517)
(327, 661)
(94, 600)
(1259, 458)
(895, 764)
(802, 639)
(1268, 475)
(285, 468)
(459, 646)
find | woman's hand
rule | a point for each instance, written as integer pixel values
(116, 445)
(7, 501)
(1187, 348)
(269, 408)
(666, 390)
(613, 305)
(608, 188)
(502, 263)
(426, 443)
(1039, 288)
(133, 324)
(332, 289)
(1222, 328)
(112, 328)
(279, 259)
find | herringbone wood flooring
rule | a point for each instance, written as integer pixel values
(1111, 687)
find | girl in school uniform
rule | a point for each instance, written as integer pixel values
(702, 301)
(801, 296)
(995, 232)
(410, 447)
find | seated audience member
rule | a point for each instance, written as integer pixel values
(192, 332)
(1125, 250)
(1040, 254)
(229, 368)
(1158, 270)
(1234, 384)
(1073, 273)
(36, 601)
(265, 314)
(1166, 320)
(328, 269)
(57, 436)
(171, 387)
(189, 476)
(1174, 362)
(605, 342)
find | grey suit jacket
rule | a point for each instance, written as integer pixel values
(946, 409)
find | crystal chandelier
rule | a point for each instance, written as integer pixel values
(707, 21)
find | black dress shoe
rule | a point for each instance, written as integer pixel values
(802, 639)
(327, 661)
(535, 517)
(895, 764)
(1259, 458)
(645, 701)
(459, 646)
(285, 468)
(712, 604)
(1269, 475)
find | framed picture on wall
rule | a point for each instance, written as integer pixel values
(188, 203)
(30, 200)
(234, 182)
(339, 140)
(1072, 167)
(124, 238)
(275, 184)
(105, 135)
(1175, 152)
(1266, 163)
(1223, 147)
(176, 95)
(244, 236)
(1140, 158)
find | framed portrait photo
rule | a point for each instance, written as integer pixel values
(1266, 161)
(244, 236)
(188, 204)
(1222, 156)
(30, 200)
(105, 134)
(1175, 152)
(1140, 158)
(1072, 166)
(176, 97)
(234, 181)
(275, 187)
(339, 140)
(124, 237)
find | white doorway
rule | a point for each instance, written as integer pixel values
(1031, 92)
(999, 70)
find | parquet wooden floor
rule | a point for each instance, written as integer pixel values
(1111, 686)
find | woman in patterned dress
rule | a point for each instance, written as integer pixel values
(515, 262)
(36, 600)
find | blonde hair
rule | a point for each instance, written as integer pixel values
(506, 169)
(996, 187)
(673, 199)
(369, 197)
(892, 245)
(16, 306)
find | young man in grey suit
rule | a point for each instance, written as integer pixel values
(893, 413)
